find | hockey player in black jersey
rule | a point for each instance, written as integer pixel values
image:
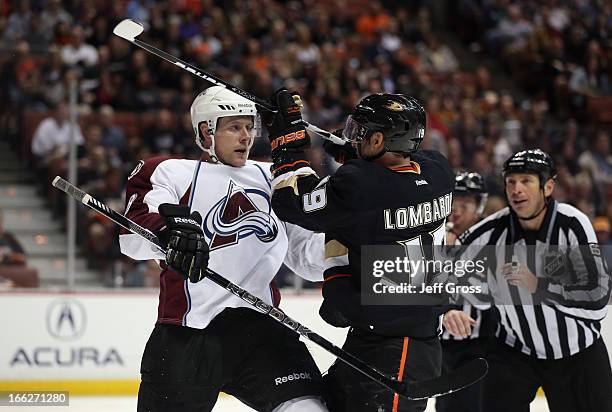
(390, 194)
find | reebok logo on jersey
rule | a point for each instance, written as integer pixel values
(293, 377)
(185, 220)
(420, 182)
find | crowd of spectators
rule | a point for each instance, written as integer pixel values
(332, 52)
(559, 50)
(14, 270)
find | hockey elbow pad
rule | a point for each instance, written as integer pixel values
(341, 304)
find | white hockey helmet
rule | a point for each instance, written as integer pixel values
(216, 102)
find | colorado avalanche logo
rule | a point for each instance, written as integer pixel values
(236, 216)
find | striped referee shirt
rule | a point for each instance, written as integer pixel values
(562, 318)
(481, 313)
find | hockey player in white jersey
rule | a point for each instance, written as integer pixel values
(217, 212)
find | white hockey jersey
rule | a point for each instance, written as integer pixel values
(248, 242)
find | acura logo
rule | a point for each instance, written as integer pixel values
(66, 319)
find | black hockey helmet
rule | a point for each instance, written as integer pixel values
(472, 184)
(533, 161)
(401, 119)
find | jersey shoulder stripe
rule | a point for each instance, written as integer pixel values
(500, 217)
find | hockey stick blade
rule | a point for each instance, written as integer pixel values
(128, 29)
(454, 381)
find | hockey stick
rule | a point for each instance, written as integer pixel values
(129, 29)
(452, 382)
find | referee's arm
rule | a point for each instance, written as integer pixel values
(589, 277)
(473, 247)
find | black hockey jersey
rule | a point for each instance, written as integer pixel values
(366, 204)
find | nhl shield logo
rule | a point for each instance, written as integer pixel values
(554, 264)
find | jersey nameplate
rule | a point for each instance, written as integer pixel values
(421, 214)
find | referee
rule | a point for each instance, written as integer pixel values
(550, 285)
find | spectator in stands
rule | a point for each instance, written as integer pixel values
(50, 146)
(437, 57)
(511, 122)
(18, 23)
(53, 73)
(598, 163)
(52, 136)
(34, 36)
(161, 134)
(584, 195)
(11, 251)
(138, 274)
(373, 21)
(93, 162)
(501, 148)
(77, 52)
(146, 95)
(13, 260)
(454, 154)
(112, 135)
(590, 80)
(137, 10)
(601, 225)
(340, 54)
(53, 15)
(481, 163)
(511, 32)
(307, 52)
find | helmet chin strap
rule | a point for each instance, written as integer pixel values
(213, 156)
(210, 150)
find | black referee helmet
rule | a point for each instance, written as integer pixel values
(533, 161)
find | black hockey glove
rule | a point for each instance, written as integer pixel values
(287, 134)
(186, 248)
(340, 153)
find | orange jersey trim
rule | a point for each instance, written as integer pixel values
(306, 162)
(413, 167)
(340, 275)
(400, 374)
